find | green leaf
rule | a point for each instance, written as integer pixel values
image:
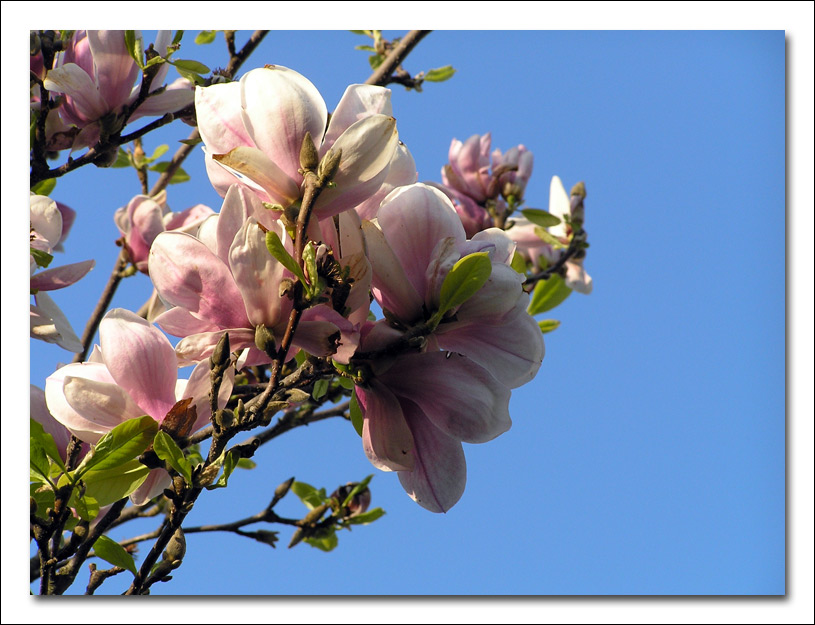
(191, 76)
(157, 153)
(375, 60)
(205, 37)
(111, 485)
(155, 61)
(366, 48)
(135, 47)
(548, 294)
(366, 517)
(320, 388)
(44, 498)
(465, 279)
(44, 187)
(361, 32)
(166, 449)
(177, 39)
(519, 263)
(540, 217)
(551, 239)
(355, 412)
(360, 486)
(245, 463)
(123, 443)
(191, 66)
(111, 551)
(122, 159)
(39, 467)
(191, 142)
(179, 176)
(324, 543)
(547, 325)
(276, 249)
(309, 495)
(47, 442)
(230, 462)
(346, 383)
(299, 357)
(440, 74)
(43, 259)
(86, 507)
(310, 263)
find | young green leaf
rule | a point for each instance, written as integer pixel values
(465, 279)
(122, 159)
(123, 443)
(548, 325)
(177, 39)
(39, 467)
(548, 294)
(540, 217)
(366, 517)
(440, 74)
(47, 442)
(111, 551)
(320, 388)
(355, 412)
(519, 262)
(276, 249)
(205, 37)
(166, 449)
(135, 47)
(191, 66)
(179, 176)
(158, 152)
(86, 506)
(324, 543)
(309, 495)
(551, 239)
(245, 463)
(230, 462)
(358, 488)
(111, 485)
(44, 187)
(43, 259)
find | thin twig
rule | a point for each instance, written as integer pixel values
(383, 73)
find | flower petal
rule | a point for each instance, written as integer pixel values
(439, 475)
(141, 360)
(358, 102)
(386, 438)
(86, 100)
(60, 277)
(401, 172)
(559, 206)
(253, 168)
(116, 71)
(49, 324)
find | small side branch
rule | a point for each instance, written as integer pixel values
(383, 73)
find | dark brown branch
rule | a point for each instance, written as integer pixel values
(104, 301)
(383, 73)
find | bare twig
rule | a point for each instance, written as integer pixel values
(383, 73)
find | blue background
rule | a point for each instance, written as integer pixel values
(647, 457)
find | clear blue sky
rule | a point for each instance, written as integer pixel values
(648, 456)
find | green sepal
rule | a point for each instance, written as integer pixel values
(111, 551)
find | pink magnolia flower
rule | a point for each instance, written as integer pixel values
(531, 245)
(48, 230)
(471, 184)
(145, 217)
(255, 128)
(97, 75)
(419, 407)
(228, 281)
(133, 372)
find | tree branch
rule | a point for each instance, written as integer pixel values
(383, 73)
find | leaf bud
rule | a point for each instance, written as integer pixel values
(176, 548)
(240, 411)
(329, 166)
(220, 355)
(283, 489)
(264, 340)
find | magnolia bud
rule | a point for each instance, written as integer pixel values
(264, 340)
(283, 489)
(329, 166)
(220, 355)
(309, 158)
(176, 548)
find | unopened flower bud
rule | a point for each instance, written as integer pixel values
(176, 548)
(283, 489)
(329, 166)
(264, 340)
(286, 287)
(309, 158)
(220, 355)
(576, 209)
(358, 504)
(224, 418)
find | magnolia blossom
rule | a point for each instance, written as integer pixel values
(228, 281)
(133, 372)
(97, 74)
(253, 131)
(472, 185)
(531, 245)
(145, 217)
(48, 230)
(419, 407)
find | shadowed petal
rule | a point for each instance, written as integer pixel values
(60, 277)
(358, 102)
(386, 438)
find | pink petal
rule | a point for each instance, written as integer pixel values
(196, 347)
(198, 388)
(218, 113)
(386, 438)
(181, 322)
(238, 206)
(46, 219)
(177, 95)
(460, 397)
(49, 324)
(439, 475)
(86, 100)
(358, 102)
(104, 404)
(141, 360)
(116, 71)
(157, 480)
(414, 219)
(40, 413)
(401, 172)
(60, 277)
(278, 107)
(187, 274)
(367, 149)
(253, 168)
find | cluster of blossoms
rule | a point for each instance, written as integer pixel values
(97, 77)
(428, 376)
